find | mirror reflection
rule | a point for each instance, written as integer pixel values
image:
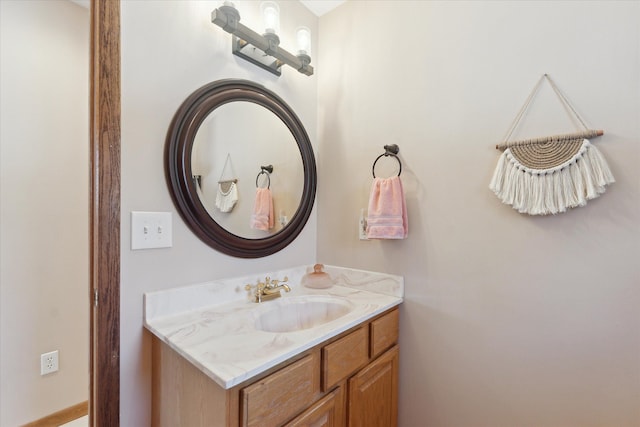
(230, 131)
(230, 148)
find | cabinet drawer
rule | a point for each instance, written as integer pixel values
(283, 394)
(384, 332)
(327, 412)
(343, 357)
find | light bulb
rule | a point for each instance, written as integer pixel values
(271, 16)
(303, 38)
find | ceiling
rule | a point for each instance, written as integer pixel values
(83, 3)
(320, 7)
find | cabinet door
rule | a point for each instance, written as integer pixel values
(328, 412)
(373, 393)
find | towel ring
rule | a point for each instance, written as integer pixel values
(389, 150)
(265, 170)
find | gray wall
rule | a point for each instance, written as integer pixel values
(44, 207)
(170, 49)
(509, 320)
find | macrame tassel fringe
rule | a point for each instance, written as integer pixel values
(551, 191)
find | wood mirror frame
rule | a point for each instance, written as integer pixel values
(178, 170)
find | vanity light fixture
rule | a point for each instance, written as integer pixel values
(264, 50)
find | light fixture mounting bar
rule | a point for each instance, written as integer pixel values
(256, 48)
(255, 55)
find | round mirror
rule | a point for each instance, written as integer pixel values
(240, 168)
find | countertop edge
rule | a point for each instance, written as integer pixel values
(227, 384)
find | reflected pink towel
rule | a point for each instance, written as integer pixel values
(262, 217)
(387, 210)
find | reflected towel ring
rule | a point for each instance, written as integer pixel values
(268, 179)
(265, 170)
(389, 150)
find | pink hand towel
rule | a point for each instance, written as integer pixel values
(387, 210)
(262, 217)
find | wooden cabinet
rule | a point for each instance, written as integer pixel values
(373, 397)
(343, 357)
(282, 395)
(328, 412)
(348, 381)
(384, 332)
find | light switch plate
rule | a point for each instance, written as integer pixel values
(151, 230)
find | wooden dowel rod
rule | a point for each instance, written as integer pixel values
(542, 140)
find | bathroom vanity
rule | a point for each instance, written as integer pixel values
(310, 358)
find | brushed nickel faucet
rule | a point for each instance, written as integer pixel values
(269, 289)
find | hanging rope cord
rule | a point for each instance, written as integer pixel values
(587, 133)
(222, 180)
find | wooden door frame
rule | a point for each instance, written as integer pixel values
(104, 252)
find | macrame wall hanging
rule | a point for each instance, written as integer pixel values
(551, 174)
(227, 194)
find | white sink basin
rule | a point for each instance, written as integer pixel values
(295, 314)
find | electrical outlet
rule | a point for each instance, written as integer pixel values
(362, 226)
(48, 362)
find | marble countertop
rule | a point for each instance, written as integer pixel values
(214, 324)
